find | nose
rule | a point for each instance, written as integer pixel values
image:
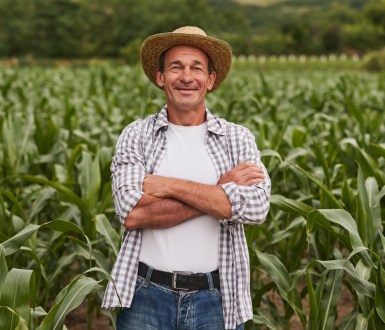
(186, 75)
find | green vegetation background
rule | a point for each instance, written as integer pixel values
(115, 28)
(318, 262)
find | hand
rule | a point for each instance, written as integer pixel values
(156, 185)
(244, 174)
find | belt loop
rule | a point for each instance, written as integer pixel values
(148, 276)
(210, 280)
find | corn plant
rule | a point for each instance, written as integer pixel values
(321, 134)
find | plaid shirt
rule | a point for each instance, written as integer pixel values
(140, 150)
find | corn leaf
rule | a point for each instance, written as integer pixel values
(290, 205)
(362, 322)
(66, 194)
(18, 293)
(271, 265)
(328, 193)
(380, 295)
(75, 294)
(89, 178)
(276, 270)
(264, 320)
(313, 304)
(345, 220)
(11, 320)
(3, 267)
(104, 228)
(17, 205)
(362, 286)
(42, 198)
(14, 243)
(329, 300)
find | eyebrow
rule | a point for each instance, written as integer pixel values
(196, 62)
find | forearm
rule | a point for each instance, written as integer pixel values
(209, 199)
(155, 212)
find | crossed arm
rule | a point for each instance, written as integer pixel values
(170, 201)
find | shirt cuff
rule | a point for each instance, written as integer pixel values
(233, 194)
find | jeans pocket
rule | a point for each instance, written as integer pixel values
(139, 284)
(218, 292)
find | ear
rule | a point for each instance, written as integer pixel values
(211, 82)
(160, 78)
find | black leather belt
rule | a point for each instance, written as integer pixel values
(180, 280)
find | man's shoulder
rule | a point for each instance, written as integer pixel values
(141, 124)
(232, 127)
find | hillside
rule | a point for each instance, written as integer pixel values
(268, 15)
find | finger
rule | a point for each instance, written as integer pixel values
(251, 171)
(252, 182)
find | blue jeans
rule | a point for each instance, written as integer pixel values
(156, 307)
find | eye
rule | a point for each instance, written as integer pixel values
(198, 69)
(175, 68)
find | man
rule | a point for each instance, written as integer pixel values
(184, 183)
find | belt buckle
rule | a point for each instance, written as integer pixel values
(174, 280)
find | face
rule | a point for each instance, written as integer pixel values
(185, 79)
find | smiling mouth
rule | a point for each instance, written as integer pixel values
(185, 89)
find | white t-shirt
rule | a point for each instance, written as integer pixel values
(192, 245)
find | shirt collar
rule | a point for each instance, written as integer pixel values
(213, 122)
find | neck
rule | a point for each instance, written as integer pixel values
(187, 118)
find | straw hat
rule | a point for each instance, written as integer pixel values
(217, 50)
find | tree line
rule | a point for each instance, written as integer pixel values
(116, 28)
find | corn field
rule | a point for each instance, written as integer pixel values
(322, 137)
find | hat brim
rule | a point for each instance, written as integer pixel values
(154, 46)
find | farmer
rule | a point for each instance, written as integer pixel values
(184, 182)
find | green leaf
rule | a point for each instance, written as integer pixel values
(89, 178)
(380, 196)
(380, 295)
(66, 194)
(380, 150)
(10, 320)
(9, 146)
(101, 260)
(345, 220)
(328, 193)
(368, 165)
(18, 294)
(3, 267)
(104, 228)
(75, 293)
(349, 322)
(313, 303)
(329, 300)
(13, 244)
(364, 274)
(271, 153)
(264, 320)
(316, 217)
(362, 322)
(362, 286)
(42, 198)
(296, 224)
(15, 201)
(369, 219)
(320, 154)
(64, 261)
(290, 205)
(275, 269)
